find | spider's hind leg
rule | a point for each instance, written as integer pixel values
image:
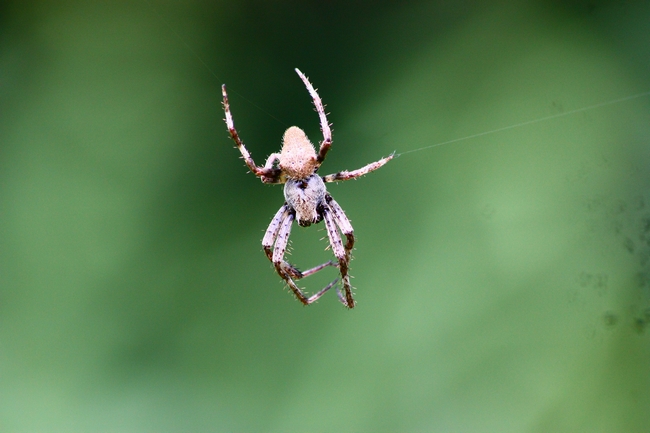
(324, 124)
(268, 173)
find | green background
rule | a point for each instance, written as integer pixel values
(503, 282)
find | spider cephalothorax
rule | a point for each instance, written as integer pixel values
(306, 199)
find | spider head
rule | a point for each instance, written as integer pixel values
(298, 156)
(306, 198)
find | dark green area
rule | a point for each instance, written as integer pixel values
(503, 281)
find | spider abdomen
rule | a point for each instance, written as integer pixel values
(297, 157)
(305, 197)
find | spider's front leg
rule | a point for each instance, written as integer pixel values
(278, 234)
(334, 216)
(268, 173)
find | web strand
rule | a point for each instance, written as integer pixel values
(530, 122)
(456, 140)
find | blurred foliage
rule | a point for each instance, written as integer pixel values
(503, 282)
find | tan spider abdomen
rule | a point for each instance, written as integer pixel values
(298, 156)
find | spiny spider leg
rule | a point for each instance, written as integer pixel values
(315, 296)
(278, 257)
(347, 175)
(324, 125)
(268, 173)
(278, 233)
(270, 237)
(334, 219)
(315, 269)
(272, 231)
(346, 228)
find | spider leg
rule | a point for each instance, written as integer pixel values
(347, 175)
(324, 124)
(268, 173)
(315, 269)
(270, 238)
(272, 231)
(278, 233)
(334, 216)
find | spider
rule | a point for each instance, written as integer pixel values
(306, 199)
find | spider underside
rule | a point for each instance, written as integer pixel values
(306, 200)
